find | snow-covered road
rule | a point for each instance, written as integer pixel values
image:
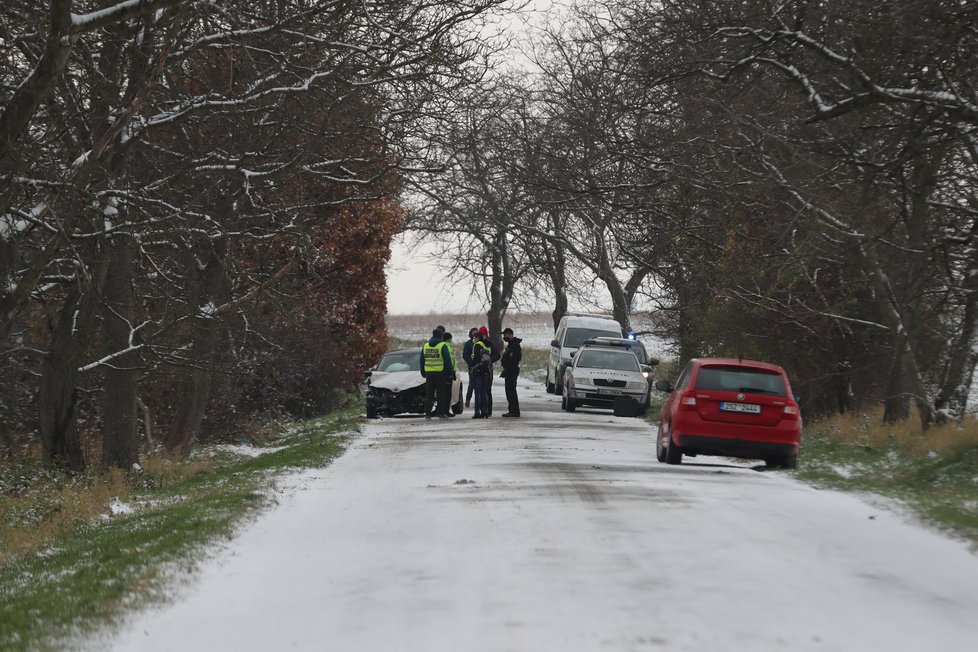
(561, 532)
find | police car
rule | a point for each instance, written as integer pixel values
(605, 369)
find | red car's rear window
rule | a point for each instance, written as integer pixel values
(740, 379)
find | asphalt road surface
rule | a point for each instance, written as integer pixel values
(562, 532)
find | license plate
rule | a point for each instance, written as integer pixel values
(609, 392)
(743, 408)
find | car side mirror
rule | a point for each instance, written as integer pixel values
(663, 386)
(653, 361)
(555, 343)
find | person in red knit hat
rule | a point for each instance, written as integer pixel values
(496, 353)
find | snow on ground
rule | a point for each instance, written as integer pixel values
(246, 450)
(561, 532)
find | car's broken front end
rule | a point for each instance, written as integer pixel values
(383, 401)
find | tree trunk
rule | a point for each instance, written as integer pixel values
(58, 392)
(620, 301)
(208, 334)
(688, 345)
(896, 405)
(57, 399)
(620, 308)
(952, 399)
(556, 260)
(501, 286)
(904, 362)
(119, 444)
(21, 107)
(557, 270)
(560, 308)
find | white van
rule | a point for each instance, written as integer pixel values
(571, 333)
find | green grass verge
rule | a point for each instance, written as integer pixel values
(84, 580)
(534, 359)
(939, 487)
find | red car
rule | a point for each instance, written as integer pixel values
(735, 408)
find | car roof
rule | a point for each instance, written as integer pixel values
(607, 349)
(413, 349)
(621, 342)
(578, 321)
(737, 362)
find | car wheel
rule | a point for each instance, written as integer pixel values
(674, 454)
(660, 451)
(460, 405)
(571, 403)
(371, 411)
(782, 462)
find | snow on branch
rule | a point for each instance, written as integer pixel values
(118, 13)
(870, 93)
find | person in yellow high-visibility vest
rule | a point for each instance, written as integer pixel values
(438, 369)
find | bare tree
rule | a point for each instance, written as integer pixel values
(148, 132)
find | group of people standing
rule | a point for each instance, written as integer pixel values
(479, 353)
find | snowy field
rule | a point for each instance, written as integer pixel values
(536, 329)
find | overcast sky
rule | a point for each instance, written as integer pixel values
(415, 284)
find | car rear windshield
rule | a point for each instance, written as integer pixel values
(400, 362)
(574, 337)
(739, 379)
(617, 360)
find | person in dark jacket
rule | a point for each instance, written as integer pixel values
(511, 370)
(467, 356)
(446, 337)
(438, 368)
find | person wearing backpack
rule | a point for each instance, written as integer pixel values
(495, 355)
(467, 356)
(481, 372)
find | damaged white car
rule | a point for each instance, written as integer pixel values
(396, 386)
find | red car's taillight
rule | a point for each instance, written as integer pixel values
(792, 412)
(687, 401)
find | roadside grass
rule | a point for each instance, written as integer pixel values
(534, 360)
(933, 473)
(69, 567)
